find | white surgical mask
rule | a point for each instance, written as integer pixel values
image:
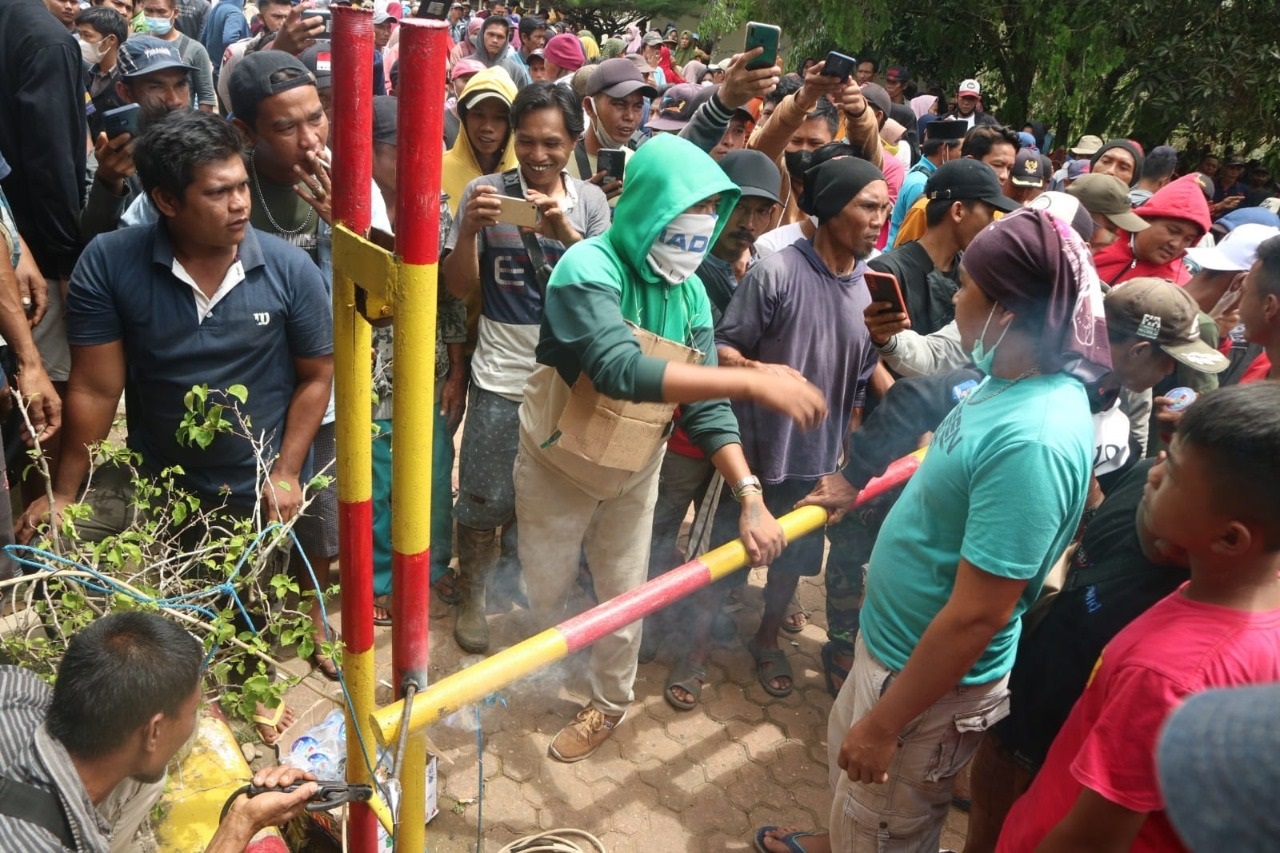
(602, 136)
(681, 246)
(92, 52)
(159, 26)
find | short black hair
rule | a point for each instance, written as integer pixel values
(932, 146)
(825, 109)
(786, 85)
(875, 63)
(263, 3)
(547, 95)
(1238, 429)
(116, 675)
(170, 149)
(1160, 163)
(1268, 276)
(106, 21)
(529, 23)
(979, 141)
(936, 209)
(496, 19)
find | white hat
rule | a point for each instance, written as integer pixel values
(969, 87)
(1237, 251)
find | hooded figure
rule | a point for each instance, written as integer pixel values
(615, 272)
(1181, 200)
(505, 58)
(460, 165)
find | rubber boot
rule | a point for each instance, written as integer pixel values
(477, 555)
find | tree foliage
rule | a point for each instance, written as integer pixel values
(1194, 72)
(607, 17)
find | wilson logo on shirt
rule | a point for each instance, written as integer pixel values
(262, 319)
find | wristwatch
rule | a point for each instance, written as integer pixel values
(749, 485)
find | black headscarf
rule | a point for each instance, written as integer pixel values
(830, 186)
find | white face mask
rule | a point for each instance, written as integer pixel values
(602, 136)
(92, 52)
(681, 246)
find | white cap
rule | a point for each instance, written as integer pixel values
(1237, 251)
(969, 87)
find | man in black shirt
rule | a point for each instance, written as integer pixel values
(963, 198)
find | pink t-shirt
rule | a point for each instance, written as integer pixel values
(894, 174)
(1108, 744)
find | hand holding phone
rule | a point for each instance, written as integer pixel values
(613, 161)
(884, 288)
(122, 120)
(326, 16)
(766, 36)
(518, 211)
(839, 66)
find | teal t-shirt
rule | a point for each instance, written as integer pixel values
(1003, 486)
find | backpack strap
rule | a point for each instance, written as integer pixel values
(36, 806)
(541, 269)
(584, 164)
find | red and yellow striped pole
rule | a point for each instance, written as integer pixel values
(352, 146)
(493, 673)
(424, 48)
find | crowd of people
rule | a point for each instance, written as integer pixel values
(779, 283)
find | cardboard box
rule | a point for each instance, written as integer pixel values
(620, 433)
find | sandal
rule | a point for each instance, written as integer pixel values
(689, 677)
(325, 664)
(446, 588)
(271, 722)
(831, 668)
(795, 610)
(772, 663)
(383, 603)
(790, 841)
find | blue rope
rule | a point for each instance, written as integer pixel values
(23, 554)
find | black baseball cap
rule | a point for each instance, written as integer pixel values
(144, 54)
(950, 130)
(385, 121)
(260, 75)
(1027, 171)
(754, 173)
(319, 61)
(618, 78)
(967, 179)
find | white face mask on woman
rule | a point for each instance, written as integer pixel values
(681, 246)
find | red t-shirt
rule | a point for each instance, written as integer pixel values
(1258, 370)
(1108, 744)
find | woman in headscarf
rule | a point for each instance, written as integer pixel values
(968, 545)
(589, 46)
(634, 39)
(467, 46)
(693, 71)
(612, 47)
(924, 104)
(686, 49)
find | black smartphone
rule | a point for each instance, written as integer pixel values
(839, 65)
(122, 120)
(884, 288)
(436, 10)
(328, 22)
(766, 36)
(613, 161)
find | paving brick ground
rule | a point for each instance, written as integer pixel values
(701, 780)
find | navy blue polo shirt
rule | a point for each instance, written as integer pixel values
(123, 289)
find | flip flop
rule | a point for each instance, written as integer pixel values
(772, 663)
(268, 724)
(796, 609)
(689, 677)
(445, 588)
(384, 602)
(789, 841)
(831, 669)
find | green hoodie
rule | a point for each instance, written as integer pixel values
(603, 281)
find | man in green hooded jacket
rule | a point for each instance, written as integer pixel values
(640, 274)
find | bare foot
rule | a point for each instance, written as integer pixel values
(271, 722)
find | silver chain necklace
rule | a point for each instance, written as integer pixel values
(1025, 374)
(257, 185)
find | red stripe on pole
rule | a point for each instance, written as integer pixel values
(584, 629)
(409, 608)
(424, 50)
(355, 549)
(351, 133)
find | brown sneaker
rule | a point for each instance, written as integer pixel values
(583, 736)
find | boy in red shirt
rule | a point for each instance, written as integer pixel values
(1216, 497)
